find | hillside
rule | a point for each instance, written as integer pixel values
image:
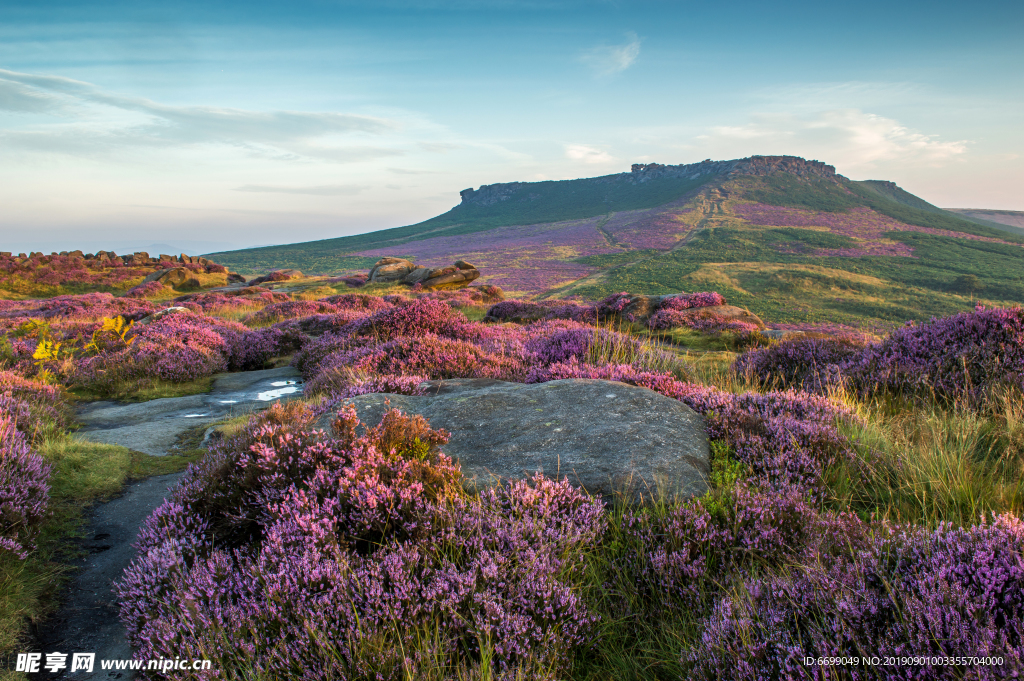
(786, 237)
(1010, 220)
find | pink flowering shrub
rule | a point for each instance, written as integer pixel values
(946, 593)
(421, 316)
(804, 363)
(965, 355)
(146, 290)
(24, 487)
(691, 300)
(280, 311)
(33, 407)
(304, 548)
(421, 355)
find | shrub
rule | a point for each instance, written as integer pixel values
(339, 538)
(24, 489)
(804, 363)
(965, 355)
(692, 300)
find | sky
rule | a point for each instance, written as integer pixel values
(206, 126)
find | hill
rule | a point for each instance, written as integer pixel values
(786, 237)
(1010, 220)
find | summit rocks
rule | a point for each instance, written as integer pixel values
(605, 436)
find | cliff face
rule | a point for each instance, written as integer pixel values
(640, 173)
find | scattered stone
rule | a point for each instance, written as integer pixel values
(602, 435)
(162, 313)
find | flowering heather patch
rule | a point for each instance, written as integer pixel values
(339, 538)
(516, 310)
(421, 316)
(859, 223)
(951, 592)
(706, 321)
(145, 290)
(967, 354)
(805, 363)
(421, 355)
(359, 302)
(24, 490)
(237, 299)
(691, 300)
(341, 385)
(33, 407)
(90, 306)
(280, 311)
(465, 297)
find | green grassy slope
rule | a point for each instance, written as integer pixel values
(527, 203)
(772, 270)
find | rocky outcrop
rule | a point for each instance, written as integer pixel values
(602, 435)
(399, 270)
(640, 173)
(390, 270)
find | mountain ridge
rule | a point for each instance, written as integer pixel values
(786, 236)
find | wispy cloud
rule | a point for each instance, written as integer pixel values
(322, 190)
(607, 60)
(587, 154)
(105, 119)
(849, 138)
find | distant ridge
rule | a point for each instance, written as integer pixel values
(789, 238)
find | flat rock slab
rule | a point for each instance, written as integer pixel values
(153, 427)
(604, 436)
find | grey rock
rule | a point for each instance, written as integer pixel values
(604, 436)
(388, 270)
(416, 276)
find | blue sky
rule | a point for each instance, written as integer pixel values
(205, 126)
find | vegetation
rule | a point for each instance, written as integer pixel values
(853, 489)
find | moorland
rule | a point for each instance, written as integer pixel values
(865, 479)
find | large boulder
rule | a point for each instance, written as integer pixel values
(458, 275)
(390, 270)
(603, 435)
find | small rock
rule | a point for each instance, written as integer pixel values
(162, 313)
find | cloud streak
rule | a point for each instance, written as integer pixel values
(321, 190)
(607, 60)
(587, 154)
(140, 122)
(849, 138)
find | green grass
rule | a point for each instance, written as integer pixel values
(146, 389)
(83, 473)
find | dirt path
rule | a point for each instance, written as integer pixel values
(88, 621)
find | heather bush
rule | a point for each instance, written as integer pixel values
(804, 363)
(145, 290)
(422, 355)
(418, 317)
(24, 490)
(966, 355)
(280, 311)
(691, 300)
(951, 592)
(340, 537)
